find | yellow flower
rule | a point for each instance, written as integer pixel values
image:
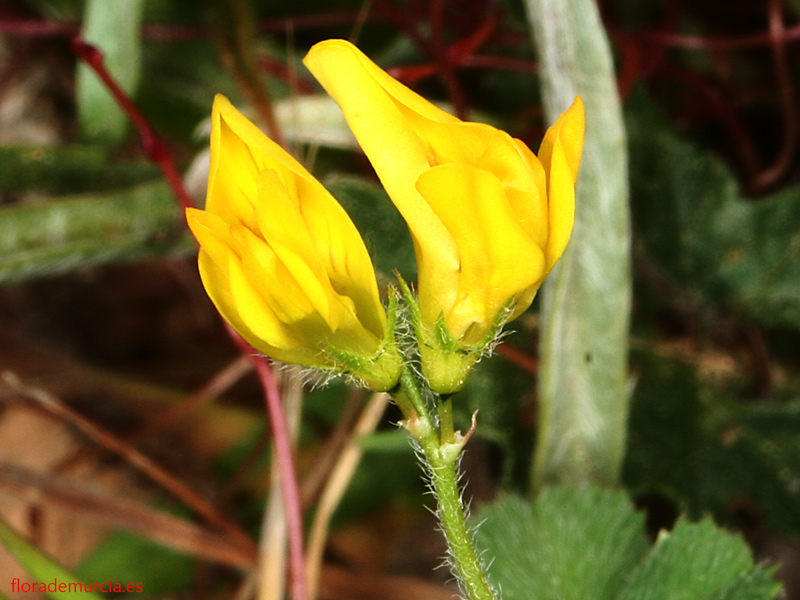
(489, 219)
(282, 261)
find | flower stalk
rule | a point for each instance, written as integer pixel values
(441, 449)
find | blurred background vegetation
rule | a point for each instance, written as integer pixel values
(115, 370)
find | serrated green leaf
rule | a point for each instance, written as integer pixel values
(740, 253)
(88, 230)
(113, 28)
(755, 584)
(41, 567)
(571, 543)
(695, 561)
(380, 224)
(66, 169)
(589, 544)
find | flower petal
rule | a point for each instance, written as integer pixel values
(313, 224)
(378, 108)
(561, 192)
(231, 292)
(560, 155)
(523, 180)
(498, 259)
(240, 151)
(568, 131)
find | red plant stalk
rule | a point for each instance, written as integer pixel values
(283, 456)
(158, 153)
(154, 148)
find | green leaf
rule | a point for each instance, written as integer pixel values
(695, 561)
(570, 543)
(753, 585)
(742, 254)
(88, 230)
(590, 544)
(41, 567)
(67, 169)
(383, 229)
(113, 28)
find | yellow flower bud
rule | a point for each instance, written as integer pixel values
(489, 219)
(282, 261)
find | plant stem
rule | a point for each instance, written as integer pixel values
(289, 487)
(468, 567)
(446, 435)
(441, 459)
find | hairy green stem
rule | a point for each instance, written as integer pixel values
(446, 435)
(441, 458)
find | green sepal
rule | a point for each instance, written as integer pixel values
(411, 303)
(380, 372)
(444, 361)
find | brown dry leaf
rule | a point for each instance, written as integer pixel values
(93, 507)
(37, 442)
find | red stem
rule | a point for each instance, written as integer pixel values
(154, 148)
(283, 456)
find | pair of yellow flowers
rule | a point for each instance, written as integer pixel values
(286, 267)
